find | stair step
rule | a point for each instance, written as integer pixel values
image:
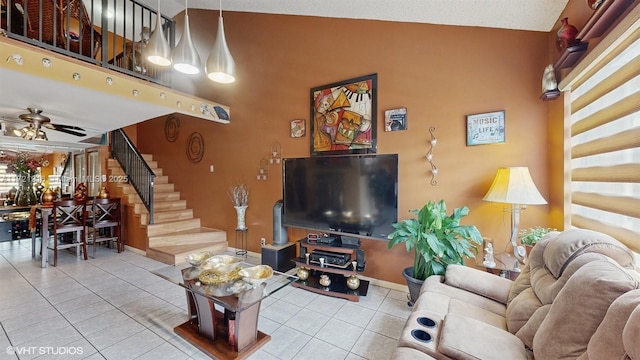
(157, 171)
(175, 255)
(192, 236)
(169, 205)
(162, 188)
(172, 215)
(147, 157)
(172, 227)
(152, 164)
(166, 196)
(162, 179)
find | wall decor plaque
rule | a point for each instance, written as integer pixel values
(486, 128)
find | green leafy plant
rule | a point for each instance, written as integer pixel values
(533, 235)
(437, 239)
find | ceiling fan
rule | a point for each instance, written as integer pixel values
(35, 120)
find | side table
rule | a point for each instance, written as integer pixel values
(241, 235)
(506, 265)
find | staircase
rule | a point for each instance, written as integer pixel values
(175, 233)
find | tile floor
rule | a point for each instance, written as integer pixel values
(113, 307)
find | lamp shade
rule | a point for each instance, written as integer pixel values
(158, 49)
(220, 65)
(514, 185)
(185, 57)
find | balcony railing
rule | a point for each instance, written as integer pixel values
(110, 33)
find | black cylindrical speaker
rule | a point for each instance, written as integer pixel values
(280, 236)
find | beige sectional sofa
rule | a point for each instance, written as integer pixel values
(578, 297)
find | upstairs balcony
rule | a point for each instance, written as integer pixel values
(83, 63)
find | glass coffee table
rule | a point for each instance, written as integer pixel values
(223, 318)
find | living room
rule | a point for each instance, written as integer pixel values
(440, 74)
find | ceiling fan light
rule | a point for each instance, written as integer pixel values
(220, 65)
(41, 135)
(18, 132)
(158, 49)
(185, 58)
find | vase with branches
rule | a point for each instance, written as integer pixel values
(239, 194)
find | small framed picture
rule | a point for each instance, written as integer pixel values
(298, 128)
(486, 128)
(395, 119)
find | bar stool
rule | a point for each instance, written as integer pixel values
(105, 214)
(69, 217)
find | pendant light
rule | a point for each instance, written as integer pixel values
(158, 49)
(185, 58)
(220, 65)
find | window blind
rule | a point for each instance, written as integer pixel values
(604, 185)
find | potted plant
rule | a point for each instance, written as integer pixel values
(529, 237)
(437, 240)
(239, 194)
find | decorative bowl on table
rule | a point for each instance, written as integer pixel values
(196, 259)
(256, 274)
(221, 264)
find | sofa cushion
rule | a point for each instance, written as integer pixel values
(521, 309)
(407, 353)
(465, 338)
(631, 334)
(527, 332)
(474, 312)
(571, 243)
(579, 308)
(455, 293)
(478, 282)
(607, 340)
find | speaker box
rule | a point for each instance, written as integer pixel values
(279, 257)
(280, 236)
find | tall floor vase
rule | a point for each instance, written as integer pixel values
(241, 212)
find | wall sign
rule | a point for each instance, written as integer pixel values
(486, 128)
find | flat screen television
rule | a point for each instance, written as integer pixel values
(354, 195)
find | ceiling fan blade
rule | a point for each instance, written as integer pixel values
(70, 132)
(66, 127)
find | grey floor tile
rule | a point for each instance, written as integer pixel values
(280, 311)
(267, 326)
(327, 305)
(286, 343)
(165, 352)
(339, 333)
(307, 321)
(387, 325)
(300, 297)
(319, 350)
(114, 334)
(88, 312)
(101, 322)
(355, 314)
(262, 355)
(133, 346)
(373, 346)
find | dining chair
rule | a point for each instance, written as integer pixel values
(69, 227)
(104, 223)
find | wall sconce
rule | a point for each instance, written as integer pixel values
(276, 153)
(263, 172)
(434, 168)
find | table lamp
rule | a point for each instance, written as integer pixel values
(514, 186)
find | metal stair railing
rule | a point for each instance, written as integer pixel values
(138, 172)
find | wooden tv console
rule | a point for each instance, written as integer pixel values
(338, 275)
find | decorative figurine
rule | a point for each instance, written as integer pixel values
(566, 36)
(352, 281)
(489, 261)
(324, 280)
(302, 273)
(549, 82)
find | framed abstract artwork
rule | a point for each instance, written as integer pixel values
(486, 128)
(395, 119)
(343, 117)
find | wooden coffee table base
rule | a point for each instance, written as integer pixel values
(220, 348)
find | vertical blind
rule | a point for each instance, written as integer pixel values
(605, 137)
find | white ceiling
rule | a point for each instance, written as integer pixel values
(72, 105)
(535, 15)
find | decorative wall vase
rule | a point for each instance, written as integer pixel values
(25, 195)
(566, 36)
(48, 197)
(12, 195)
(39, 189)
(103, 193)
(241, 212)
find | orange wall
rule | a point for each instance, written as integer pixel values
(439, 73)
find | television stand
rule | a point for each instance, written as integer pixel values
(337, 274)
